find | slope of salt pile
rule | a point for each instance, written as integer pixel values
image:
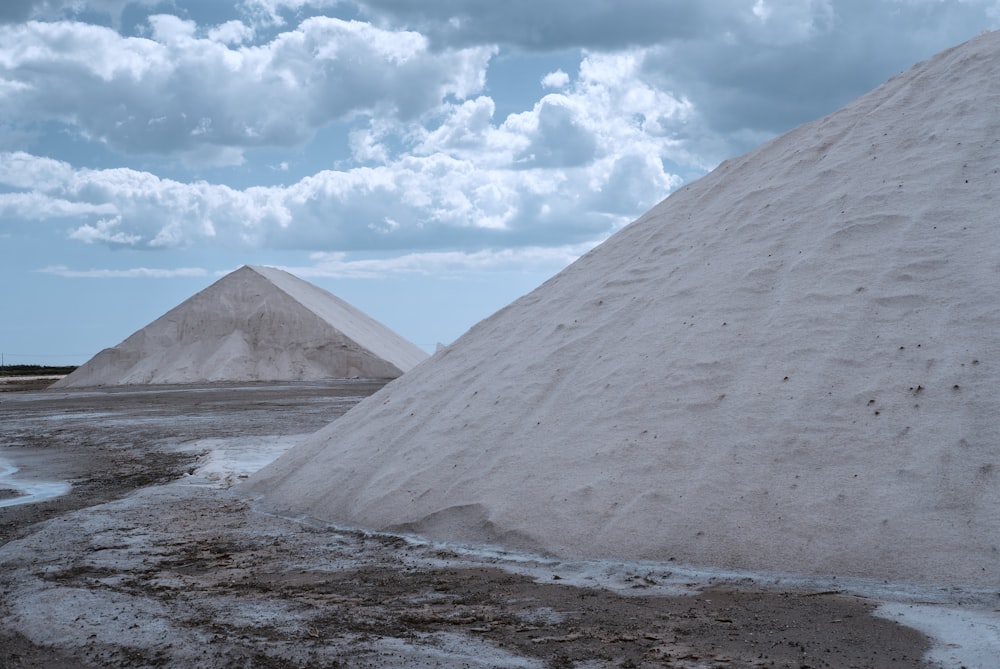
(254, 324)
(789, 365)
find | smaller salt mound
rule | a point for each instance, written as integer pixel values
(254, 324)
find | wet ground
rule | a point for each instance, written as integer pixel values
(154, 559)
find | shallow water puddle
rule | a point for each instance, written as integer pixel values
(28, 491)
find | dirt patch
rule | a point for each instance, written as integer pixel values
(145, 565)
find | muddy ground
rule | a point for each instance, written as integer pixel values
(153, 560)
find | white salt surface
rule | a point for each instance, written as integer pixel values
(254, 324)
(224, 462)
(969, 639)
(789, 365)
(353, 323)
(446, 650)
(28, 491)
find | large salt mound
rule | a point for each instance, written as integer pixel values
(254, 324)
(792, 364)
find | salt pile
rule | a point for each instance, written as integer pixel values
(791, 365)
(254, 324)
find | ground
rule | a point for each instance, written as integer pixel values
(155, 559)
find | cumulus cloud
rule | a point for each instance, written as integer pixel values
(442, 201)
(106, 230)
(209, 96)
(209, 93)
(432, 166)
(753, 68)
(557, 79)
(560, 139)
(40, 207)
(232, 33)
(573, 169)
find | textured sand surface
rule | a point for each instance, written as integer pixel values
(791, 364)
(254, 324)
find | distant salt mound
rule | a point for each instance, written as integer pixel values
(254, 324)
(792, 365)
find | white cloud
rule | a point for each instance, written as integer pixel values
(177, 92)
(40, 207)
(754, 68)
(433, 200)
(443, 263)
(574, 168)
(557, 79)
(232, 32)
(431, 163)
(467, 131)
(132, 273)
(170, 30)
(560, 137)
(105, 230)
(761, 10)
(19, 169)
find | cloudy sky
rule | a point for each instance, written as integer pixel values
(429, 161)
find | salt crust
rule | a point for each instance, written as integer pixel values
(790, 364)
(254, 324)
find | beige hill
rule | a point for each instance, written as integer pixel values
(791, 364)
(254, 324)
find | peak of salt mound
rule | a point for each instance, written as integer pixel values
(254, 324)
(789, 365)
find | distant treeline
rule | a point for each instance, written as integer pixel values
(34, 370)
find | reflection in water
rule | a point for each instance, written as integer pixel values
(29, 491)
